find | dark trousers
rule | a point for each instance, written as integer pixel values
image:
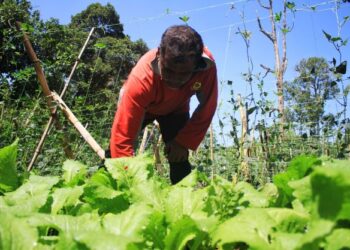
(169, 126)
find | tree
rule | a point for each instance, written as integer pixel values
(14, 64)
(309, 91)
(103, 17)
(114, 54)
(280, 57)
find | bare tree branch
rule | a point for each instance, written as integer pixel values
(263, 6)
(267, 34)
(267, 69)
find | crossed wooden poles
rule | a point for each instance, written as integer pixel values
(54, 97)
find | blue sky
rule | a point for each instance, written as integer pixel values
(218, 21)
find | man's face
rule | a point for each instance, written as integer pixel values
(177, 70)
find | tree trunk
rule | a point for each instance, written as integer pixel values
(280, 65)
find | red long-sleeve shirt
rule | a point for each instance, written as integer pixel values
(145, 93)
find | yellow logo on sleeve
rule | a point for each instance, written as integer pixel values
(196, 86)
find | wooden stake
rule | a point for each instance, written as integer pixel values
(76, 63)
(53, 116)
(211, 143)
(158, 161)
(212, 150)
(45, 87)
(81, 129)
(144, 140)
(38, 69)
(244, 150)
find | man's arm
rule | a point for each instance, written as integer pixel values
(128, 118)
(193, 133)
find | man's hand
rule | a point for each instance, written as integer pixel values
(175, 152)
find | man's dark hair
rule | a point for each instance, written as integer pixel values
(179, 39)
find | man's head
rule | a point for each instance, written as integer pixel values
(180, 52)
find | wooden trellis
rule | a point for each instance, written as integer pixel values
(54, 97)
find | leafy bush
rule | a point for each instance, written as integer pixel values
(128, 206)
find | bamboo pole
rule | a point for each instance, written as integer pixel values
(76, 63)
(144, 140)
(2, 109)
(212, 151)
(44, 86)
(244, 150)
(147, 136)
(81, 129)
(158, 161)
(211, 143)
(52, 117)
(39, 72)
